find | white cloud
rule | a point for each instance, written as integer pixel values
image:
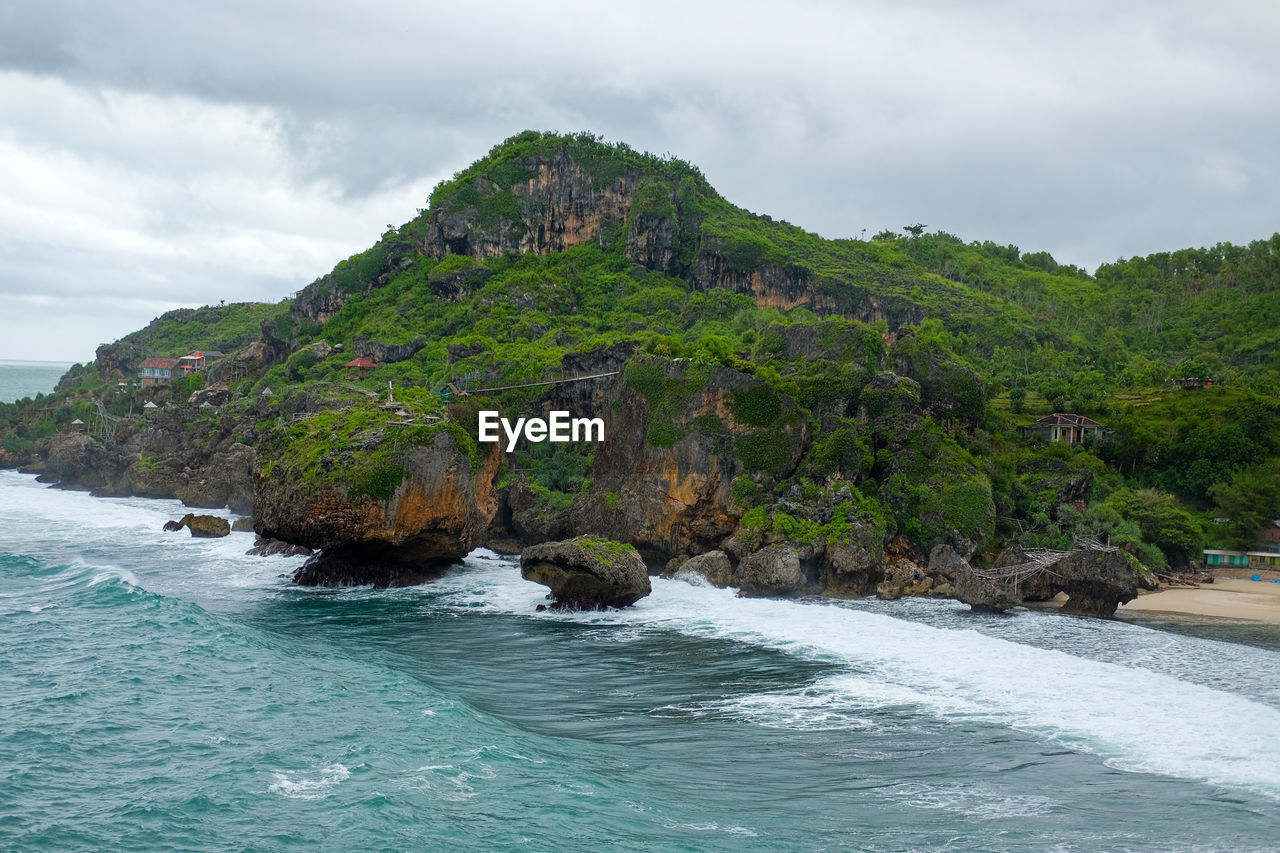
(151, 150)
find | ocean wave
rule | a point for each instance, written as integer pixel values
(1132, 718)
(312, 784)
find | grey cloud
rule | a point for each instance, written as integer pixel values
(1093, 130)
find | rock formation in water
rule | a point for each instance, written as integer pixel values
(201, 526)
(587, 572)
(429, 506)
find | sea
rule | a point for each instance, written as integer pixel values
(165, 693)
(20, 379)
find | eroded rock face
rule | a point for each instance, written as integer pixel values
(1097, 582)
(436, 515)
(76, 461)
(852, 568)
(380, 353)
(227, 480)
(774, 571)
(663, 477)
(587, 572)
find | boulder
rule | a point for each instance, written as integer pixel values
(772, 571)
(276, 548)
(901, 576)
(201, 526)
(587, 572)
(962, 582)
(243, 524)
(1097, 581)
(1040, 586)
(853, 567)
(674, 564)
(713, 566)
(981, 594)
(943, 560)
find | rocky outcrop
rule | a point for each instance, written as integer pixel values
(227, 480)
(118, 361)
(713, 567)
(75, 460)
(380, 353)
(276, 548)
(1097, 581)
(587, 572)
(554, 202)
(663, 477)
(560, 205)
(948, 390)
(853, 567)
(201, 526)
(982, 594)
(774, 571)
(1040, 474)
(1035, 586)
(436, 514)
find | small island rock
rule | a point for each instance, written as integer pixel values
(587, 572)
(201, 526)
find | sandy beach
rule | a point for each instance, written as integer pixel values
(1231, 596)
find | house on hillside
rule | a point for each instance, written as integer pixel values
(1072, 429)
(191, 363)
(155, 370)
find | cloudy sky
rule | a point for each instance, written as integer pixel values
(157, 153)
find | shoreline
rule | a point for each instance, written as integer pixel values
(1231, 596)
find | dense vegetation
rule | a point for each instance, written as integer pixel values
(994, 336)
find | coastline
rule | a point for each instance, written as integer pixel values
(1230, 596)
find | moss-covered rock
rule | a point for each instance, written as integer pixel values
(587, 572)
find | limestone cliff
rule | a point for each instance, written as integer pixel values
(435, 512)
(679, 437)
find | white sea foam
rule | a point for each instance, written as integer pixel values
(74, 528)
(298, 786)
(973, 800)
(1133, 718)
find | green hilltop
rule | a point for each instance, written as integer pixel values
(553, 247)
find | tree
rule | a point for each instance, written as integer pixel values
(1163, 523)
(1249, 502)
(914, 230)
(1018, 399)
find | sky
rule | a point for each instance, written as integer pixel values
(157, 154)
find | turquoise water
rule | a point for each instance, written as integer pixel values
(159, 692)
(20, 379)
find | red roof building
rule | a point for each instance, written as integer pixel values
(359, 362)
(154, 370)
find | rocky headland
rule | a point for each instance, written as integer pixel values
(841, 449)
